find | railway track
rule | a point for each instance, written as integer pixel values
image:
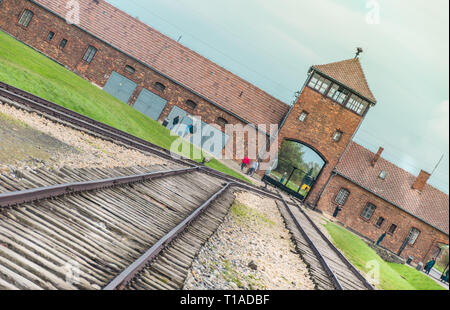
(99, 229)
(128, 228)
(329, 268)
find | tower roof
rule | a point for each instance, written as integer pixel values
(350, 73)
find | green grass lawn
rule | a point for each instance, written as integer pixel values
(24, 68)
(392, 276)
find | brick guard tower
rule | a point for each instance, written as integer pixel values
(328, 112)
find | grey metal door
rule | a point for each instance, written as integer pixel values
(212, 140)
(150, 104)
(120, 87)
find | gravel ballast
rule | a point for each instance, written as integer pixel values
(33, 141)
(251, 250)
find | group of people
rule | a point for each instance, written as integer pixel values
(430, 264)
(246, 162)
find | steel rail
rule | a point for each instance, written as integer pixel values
(313, 247)
(19, 197)
(336, 250)
(128, 274)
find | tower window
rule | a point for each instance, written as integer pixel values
(342, 197)
(222, 122)
(337, 136)
(338, 93)
(380, 221)
(90, 53)
(319, 83)
(130, 69)
(63, 43)
(303, 116)
(413, 235)
(191, 104)
(159, 86)
(392, 229)
(50, 36)
(356, 104)
(368, 211)
(26, 17)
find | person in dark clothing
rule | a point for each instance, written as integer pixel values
(444, 277)
(381, 238)
(176, 120)
(336, 211)
(430, 265)
(253, 169)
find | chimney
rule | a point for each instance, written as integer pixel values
(421, 180)
(376, 157)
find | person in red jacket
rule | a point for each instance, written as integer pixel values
(245, 163)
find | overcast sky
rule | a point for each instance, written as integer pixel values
(272, 43)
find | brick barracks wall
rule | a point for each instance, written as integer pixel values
(324, 118)
(350, 216)
(105, 61)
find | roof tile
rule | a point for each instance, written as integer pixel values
(168, 56)
(350, 73)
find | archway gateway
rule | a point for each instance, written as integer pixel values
(296, 169)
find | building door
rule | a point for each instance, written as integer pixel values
(150, 104)
(120, 87)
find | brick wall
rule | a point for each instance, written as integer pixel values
(350, 215)
(324, 118)
(106, 60)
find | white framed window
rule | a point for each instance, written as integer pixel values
(338, 93)
(368, 211)
(413, 235)
(357, 104)
(90, 53)
(342, 196)
(26, 17)
(303, 116)
(383, 175)
(337, 136)
(319, 83)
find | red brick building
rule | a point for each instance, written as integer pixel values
(139, 65)
(164, 80)
(377, 197)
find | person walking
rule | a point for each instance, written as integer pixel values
(245, 163)
(283, 178)
(336, 211)
(253, 169)
(430, 265)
